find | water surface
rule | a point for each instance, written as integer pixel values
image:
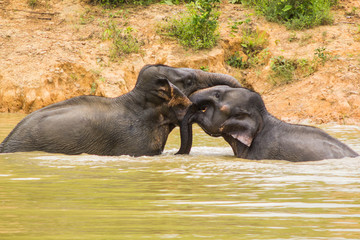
(207, 195)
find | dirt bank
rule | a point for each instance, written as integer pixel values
(55, 51)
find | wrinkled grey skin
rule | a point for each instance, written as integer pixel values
(190, 80)
(240, 117)
(136, 123)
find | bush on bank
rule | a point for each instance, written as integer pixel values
(294, 14)
(197, 27)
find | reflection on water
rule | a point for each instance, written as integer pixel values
(206, 195)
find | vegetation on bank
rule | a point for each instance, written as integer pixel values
(253, 45)
(294, 14)
(197, 27)
(123, 40)
(285, 71)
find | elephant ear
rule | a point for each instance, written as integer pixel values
(242, 127)
(163, 89)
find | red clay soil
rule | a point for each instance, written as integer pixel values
(55, 51)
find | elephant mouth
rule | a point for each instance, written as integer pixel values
(211, 133)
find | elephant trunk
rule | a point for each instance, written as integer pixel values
(214, 79)
(186, 131)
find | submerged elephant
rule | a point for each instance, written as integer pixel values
(240, 117)
(137, 123)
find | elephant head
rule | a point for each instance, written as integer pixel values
(190, 80)
(239, 115)
(233, 113)
(160, 91)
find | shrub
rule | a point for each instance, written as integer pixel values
(123, 42)
(253, 43)
(294, 14)
(197, 28)
(32, 3)
(237, 61)
(282, 70)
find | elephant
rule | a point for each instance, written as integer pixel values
(136, 123)
(239, 115)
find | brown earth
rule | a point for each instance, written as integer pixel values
(55, 51)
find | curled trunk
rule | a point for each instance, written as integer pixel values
(213, 79)
(186, 131)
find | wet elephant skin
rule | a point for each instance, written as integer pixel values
(136, 123)
(239, 115)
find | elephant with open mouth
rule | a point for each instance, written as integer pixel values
(239, 116)
(136, 123)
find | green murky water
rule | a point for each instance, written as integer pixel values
(207, 195)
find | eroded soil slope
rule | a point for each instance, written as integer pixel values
(56, 51)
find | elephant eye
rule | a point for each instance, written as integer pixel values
(203, 108)
(188, 82)
(217, 95)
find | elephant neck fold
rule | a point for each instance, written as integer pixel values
(133, 98)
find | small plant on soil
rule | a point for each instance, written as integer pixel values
(293, 37)
(352, 12)
(282, 70)
(204, 68)
(197, 27)
(293, 13)
(237, 61)
(253, 41)
(235, 25)
(86, 17)
(357, 34)
(322, 54)
(93, 88)
(252, 44)
(123, 41)
(32, 3)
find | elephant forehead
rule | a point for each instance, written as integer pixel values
(238, 95)
(177, 73)
(210, 91)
